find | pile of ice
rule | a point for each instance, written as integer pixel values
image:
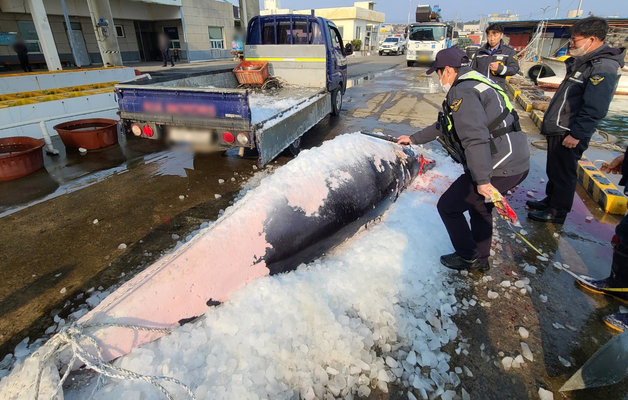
(375, 310)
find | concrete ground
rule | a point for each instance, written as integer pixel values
(51, 251)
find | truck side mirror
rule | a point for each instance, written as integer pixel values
(348, 49)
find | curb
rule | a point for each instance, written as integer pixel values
(601, 189)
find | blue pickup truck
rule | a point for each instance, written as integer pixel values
(212, 112)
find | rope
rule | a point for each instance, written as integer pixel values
(73, 336)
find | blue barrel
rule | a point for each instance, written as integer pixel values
(561, 52)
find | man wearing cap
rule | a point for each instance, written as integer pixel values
(479, 128)
(495, 59)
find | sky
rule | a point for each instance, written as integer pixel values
(397, 10)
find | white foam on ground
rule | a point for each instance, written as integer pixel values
(328, 328)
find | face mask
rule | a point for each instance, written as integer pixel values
(580, 51)
(444, 86)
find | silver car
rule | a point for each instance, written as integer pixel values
(392, 45)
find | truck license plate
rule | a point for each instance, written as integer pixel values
(189, 136)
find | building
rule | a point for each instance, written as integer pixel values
(197, 29)
(360, 21)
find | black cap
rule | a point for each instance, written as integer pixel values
(451, 57)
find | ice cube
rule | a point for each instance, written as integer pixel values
(465, 395)
(507, 363)
(217, 196)
(392, 363)
(564, 362)
(545, 394)
(523, 332)
(505, 284)
(543, 298)
(530, 269)
(95, 221)
(518, 361)
(526, 352)
(63, 290)
(411, 358)
(122, 246)
(492, 295)
(221, 181)
(181, 197)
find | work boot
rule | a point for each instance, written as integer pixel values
(548, 215)
(454, 261)
(618, 321)
(538, 204)
(606, 286)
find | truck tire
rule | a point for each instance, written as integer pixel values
(410, 63)
(293, 149)
(380, 53)
(336, 101)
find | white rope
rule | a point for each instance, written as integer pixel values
(74, 337)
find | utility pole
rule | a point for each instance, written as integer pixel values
(557, 8)
(409, 10)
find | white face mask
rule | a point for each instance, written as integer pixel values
(580, 51)
(444, 86)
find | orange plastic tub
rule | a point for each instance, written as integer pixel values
(251, 72)
(20, 156)
(89, 134)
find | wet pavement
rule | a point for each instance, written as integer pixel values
(52, 250)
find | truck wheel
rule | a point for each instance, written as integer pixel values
(380, 53)
(410, 63)
(336, 102)
(294, 148)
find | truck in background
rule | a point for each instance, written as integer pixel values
(428, 35)
(212, 112)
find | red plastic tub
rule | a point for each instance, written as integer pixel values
(90, 134)
(251, 72)
(20, 156)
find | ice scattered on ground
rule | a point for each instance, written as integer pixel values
(558, 325)
(63, 290)
(505, 284)
(122, 246)
(507, 363)
(181, 197)
(543, 298)
(542, 258)
(174, 236)
(518, 361)
(588, 218)
(221, 181)
(492, 295)
(545, 394)
(95, 221)
(526, 352)
(217, 196)
(530, 269)
(564, 362)
(523, 332)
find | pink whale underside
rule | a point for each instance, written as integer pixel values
(215, 263)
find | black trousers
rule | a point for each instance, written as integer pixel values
(166, 57)
(475, 241)
(619, 268)
(26, 67)
(562, 172)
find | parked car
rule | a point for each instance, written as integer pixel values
(391, 45)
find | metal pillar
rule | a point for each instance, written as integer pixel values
(44, 34)
(70, 35)
(100, 11)
(248, 10)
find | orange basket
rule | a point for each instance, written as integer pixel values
(251, 72)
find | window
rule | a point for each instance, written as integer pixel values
(120, 31)
(336, 40)
(29, 34)
(173, 34)
(216, 39)
(358, 32)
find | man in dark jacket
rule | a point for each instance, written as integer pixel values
(576, 109)
(164, 47)
(22, 54)
(616, 284)
(495, 59)
(480, 129)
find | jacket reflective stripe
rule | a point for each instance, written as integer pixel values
(476, 76)
(560, 110)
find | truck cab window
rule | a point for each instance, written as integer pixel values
(336, 40)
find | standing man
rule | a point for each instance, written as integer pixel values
(576, 109)
(616, 284)
(22, 53)
(495, 59)
(164, 46)
(480, 129)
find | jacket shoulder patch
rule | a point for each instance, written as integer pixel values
(455, 105)
(596, 79)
